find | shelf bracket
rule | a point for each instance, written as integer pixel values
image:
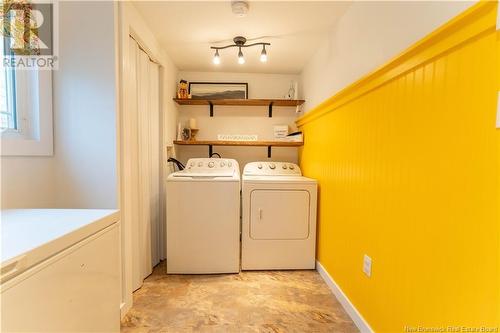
(210, 150)
(269, 151)
(271, 109)
(211, 108)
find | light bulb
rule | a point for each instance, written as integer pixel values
(241, 59)
(263, 54)
(216, 59)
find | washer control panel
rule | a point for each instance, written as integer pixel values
(272, 169)
(211, 166)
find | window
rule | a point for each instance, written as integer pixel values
(25, 112)
(8, 116)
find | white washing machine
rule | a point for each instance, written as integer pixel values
(203, 217)
(279, 217)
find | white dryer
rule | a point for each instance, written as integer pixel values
(278, 217)
(203, 217)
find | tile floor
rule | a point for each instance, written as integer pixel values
(271, 301)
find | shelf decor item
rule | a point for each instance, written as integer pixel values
(193, 131)
(237, 137)
(182, 91)
(186, 134)
(280, 131)
(218, 90)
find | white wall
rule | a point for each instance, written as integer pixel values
(27, 182)
(240, 120)
(82, 172)
(368, 35)
(85, 107)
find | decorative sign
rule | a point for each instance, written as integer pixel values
(218, 90)
(237, 137)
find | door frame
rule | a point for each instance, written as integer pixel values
(129, 23)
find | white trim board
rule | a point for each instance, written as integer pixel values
(351, 310)
(498, 17)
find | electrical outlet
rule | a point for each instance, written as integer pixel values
(367, 265)
(498, 106)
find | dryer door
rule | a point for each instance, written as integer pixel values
(279, 214)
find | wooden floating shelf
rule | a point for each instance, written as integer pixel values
(241, 102)
(240, 143)
(267, 144)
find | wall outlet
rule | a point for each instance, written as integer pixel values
(498, 106)
(367, 265)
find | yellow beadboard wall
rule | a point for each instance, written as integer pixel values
(407, 160)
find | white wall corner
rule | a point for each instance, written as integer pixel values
(498, 109)
(351, 310)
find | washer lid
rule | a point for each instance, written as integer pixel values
(272, 169)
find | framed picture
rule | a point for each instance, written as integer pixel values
(218, 90)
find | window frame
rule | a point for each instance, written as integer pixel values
(11, 100)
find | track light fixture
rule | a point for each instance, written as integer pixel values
(216, 59)
(241, 59)
(240, 42)
(263, 54)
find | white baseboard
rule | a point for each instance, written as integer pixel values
(356, 317)
(124, 307)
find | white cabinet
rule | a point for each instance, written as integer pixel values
(76, 290)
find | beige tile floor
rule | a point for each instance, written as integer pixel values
(270, 301)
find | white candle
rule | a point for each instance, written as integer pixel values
(192, 123)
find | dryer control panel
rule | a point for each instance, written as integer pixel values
(272, 169)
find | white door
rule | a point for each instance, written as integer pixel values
(140, 153)
(279, 214)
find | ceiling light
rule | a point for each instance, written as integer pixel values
(216, 59)
(239, 8)
(263, 54)
(240, 42)
(241, 59)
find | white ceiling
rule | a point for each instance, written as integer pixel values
(187, 29)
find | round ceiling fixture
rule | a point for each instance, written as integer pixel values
(240, 8)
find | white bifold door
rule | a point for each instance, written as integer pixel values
(141, 158)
